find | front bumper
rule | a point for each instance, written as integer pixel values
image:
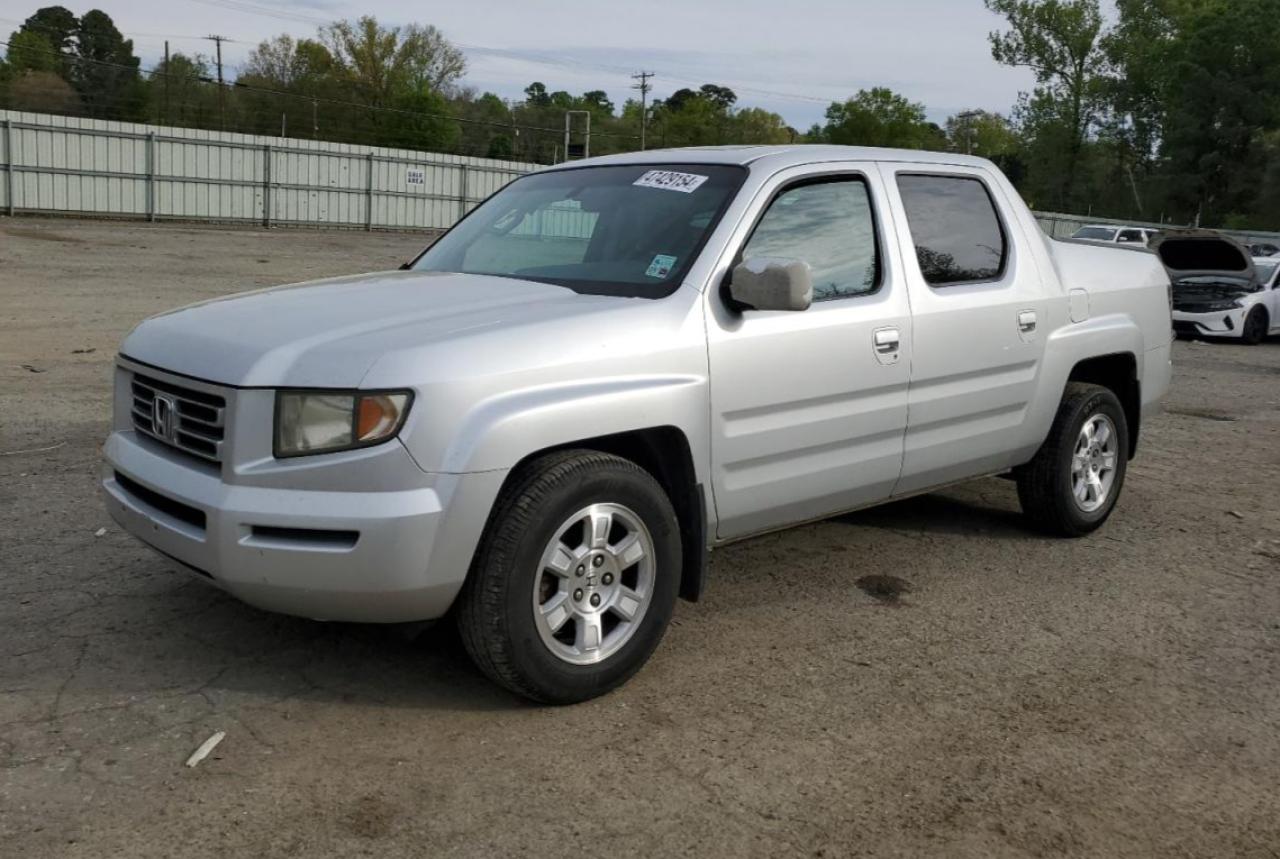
(365, 556)
(1222, 323)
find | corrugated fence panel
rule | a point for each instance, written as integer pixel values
(95, 167)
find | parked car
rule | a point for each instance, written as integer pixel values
(610, 367)
(1245, 306)
(1110, 235)
(1264, 249)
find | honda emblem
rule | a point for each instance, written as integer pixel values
(164, 418)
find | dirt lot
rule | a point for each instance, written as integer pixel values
(1115, 696)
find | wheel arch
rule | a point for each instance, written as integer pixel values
(665, 453)
(1117, 372)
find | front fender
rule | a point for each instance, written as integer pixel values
(503, 430)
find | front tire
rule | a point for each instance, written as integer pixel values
(1255, 327)
(575, 579)
(1071, 486)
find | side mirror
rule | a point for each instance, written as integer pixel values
(772, 283)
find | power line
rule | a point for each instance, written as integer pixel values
(527, 56)
(154, 73)
(265, 11)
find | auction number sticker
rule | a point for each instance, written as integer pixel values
(414, 176)
(670, 180)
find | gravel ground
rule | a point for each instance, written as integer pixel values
(1112, 696)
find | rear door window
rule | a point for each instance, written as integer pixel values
(956, 230)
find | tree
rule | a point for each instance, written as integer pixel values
(754, 125)
(29, 51)
(286, 63)
(107, 74)
(1061, 42)
(382, 64)
(597, 101)
(180, 93)
(880, 117)
(1222, 74)
(57, 25)
(719, 96)
(535, 95)
(980, 132)
(43, 92)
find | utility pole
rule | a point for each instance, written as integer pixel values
(643, 86)
(970, 130)
(167, 71)
(222, 94)
(315, 118)
(571, 150)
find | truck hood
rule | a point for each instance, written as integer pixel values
(329, 333)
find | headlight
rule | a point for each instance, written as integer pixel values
(327, 421)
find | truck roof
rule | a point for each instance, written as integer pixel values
(779, 156)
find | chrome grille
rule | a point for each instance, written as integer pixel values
(197, 423)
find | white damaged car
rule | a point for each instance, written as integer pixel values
(1244, 306)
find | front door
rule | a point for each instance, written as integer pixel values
(809, 408)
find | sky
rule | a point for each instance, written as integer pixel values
(792, 57)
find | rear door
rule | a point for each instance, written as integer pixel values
(809, 408)
(979, 319)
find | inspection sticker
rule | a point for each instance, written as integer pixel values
(669, 180)
(661, 266)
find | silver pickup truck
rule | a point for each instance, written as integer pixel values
(543, 423)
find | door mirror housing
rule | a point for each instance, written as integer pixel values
(772, 283)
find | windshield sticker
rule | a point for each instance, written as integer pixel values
(661, 265)
(669, 180)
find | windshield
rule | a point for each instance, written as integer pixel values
(631, 230)
(1095, 234)
(1265, 271)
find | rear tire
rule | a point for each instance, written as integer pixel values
(545, 608)
(1071, 486)
(1255, 327)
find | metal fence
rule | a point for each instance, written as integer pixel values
(78, 166)
(1060, 226)
(72, 165)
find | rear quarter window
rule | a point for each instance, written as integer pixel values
(955, 228)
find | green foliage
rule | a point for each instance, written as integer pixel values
(178, 93)
(1165, 108)
(381, 64)
(31, 51)
(42, 92)
(107, 77)
(1061, 41)
(880, 117)
(63, 64)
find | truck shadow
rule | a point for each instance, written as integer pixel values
(987, 507)
(193, 640)
(178, 633)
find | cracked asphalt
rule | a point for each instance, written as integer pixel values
(1019, 696)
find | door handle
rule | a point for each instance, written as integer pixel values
(887, 340)
(1026, 321)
